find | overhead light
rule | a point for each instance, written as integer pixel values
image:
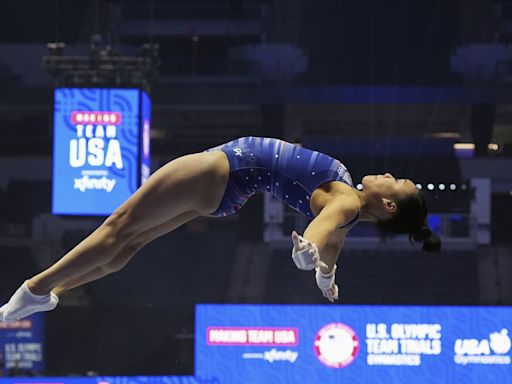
(464, 150)
(442, 187)
(453, 187)
(447, 135)
(493, 147)
(359, 187)
(419, 186)
(462, 146)
(430, 186)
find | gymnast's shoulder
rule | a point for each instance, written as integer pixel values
(338, 196)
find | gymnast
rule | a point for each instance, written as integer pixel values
(217, 182)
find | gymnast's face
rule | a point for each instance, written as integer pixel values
(386, 189)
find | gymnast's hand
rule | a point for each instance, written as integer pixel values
(325, 282)
(305, 253)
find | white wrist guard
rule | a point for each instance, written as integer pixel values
(307, 257)
(325, 282)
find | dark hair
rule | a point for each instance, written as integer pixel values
(411, 218)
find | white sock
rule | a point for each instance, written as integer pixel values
(24, 303)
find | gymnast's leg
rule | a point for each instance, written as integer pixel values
(125, 255)
(192, 183)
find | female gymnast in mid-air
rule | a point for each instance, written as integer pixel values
(218, 182)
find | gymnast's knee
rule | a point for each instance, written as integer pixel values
(113, 266)
(120, 260)
(119, 228)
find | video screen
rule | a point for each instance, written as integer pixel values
(101, 146)
(352, 344)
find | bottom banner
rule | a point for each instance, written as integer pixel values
(352, 344)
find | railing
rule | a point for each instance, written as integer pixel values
(457, 231)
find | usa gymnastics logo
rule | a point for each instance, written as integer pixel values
(493, 350)
(336, 345)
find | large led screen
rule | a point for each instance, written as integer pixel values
(101, 148)
(22, 344)
(353, 344)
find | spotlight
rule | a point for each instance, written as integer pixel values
(419, 186)
(430, 186)
(463, 187)
(359, 187)
(453, 187)
(465, 146)
(464, 149)
(442, 187)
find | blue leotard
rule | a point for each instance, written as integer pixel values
(289, 172)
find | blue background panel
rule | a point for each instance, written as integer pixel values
(104, 380)
(340, 344)
(92, 188)
(22, 342)
(427, 338)
(145, 162)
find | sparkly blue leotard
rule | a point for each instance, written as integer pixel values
(289, 172)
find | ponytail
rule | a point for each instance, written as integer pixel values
(431, 242)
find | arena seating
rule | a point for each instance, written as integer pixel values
(383, 277)
(17, 265)
(182, 267)
(26, 199)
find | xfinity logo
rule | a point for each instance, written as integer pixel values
(86, 183)
(273, 355)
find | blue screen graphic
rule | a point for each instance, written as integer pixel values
(97, 154)
(22, 344)
(145, 170)
(339, 344)
(352, 344)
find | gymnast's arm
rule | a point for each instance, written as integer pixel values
(329, 255)
(325, 233)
